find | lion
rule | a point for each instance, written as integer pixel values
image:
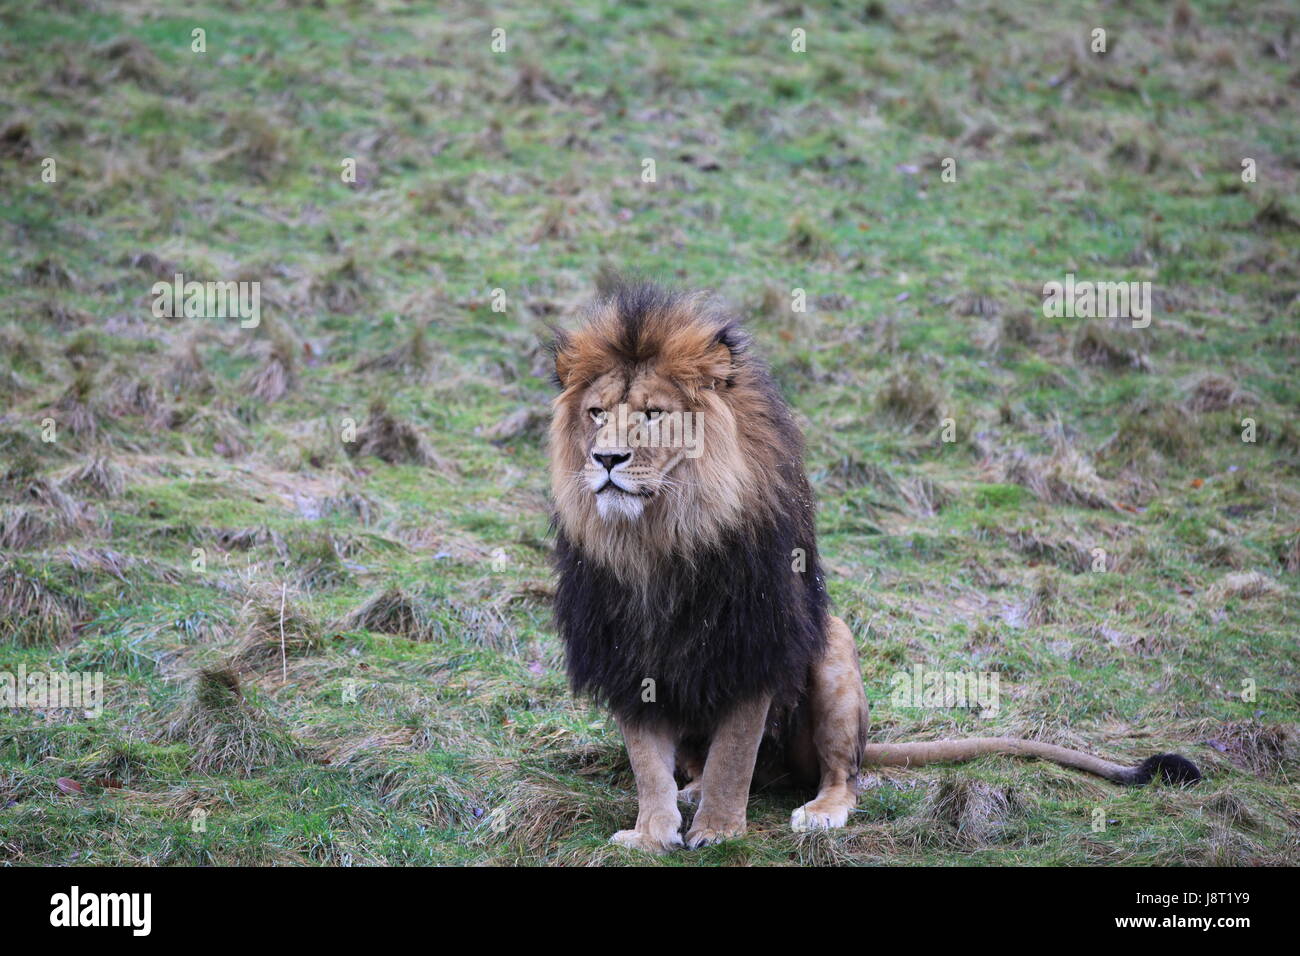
(690, 596)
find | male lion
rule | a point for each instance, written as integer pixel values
(690, 596)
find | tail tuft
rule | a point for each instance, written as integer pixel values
(1171, 767)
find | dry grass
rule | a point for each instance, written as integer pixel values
(22, 529)
(33, 611)
(317, 563)
(1217, 393)
(345, 288)
(910, 398)
(275, 375)
(1246, 586)
(228, 733)
(1065, 477)
(76, 410)
(1258, 747)
(805, 240)
(537, 810)
(274, 626)
(392, 440)
(98, 477)
(967, 813)
(412, 357)
(1103, 347)
(393, 611)
(1043, 606)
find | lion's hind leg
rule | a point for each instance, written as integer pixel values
(692, 768)
(837, 707)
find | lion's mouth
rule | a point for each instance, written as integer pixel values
(612, 486)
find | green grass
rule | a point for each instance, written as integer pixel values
(449, 736)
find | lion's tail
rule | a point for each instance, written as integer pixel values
(1172, 767)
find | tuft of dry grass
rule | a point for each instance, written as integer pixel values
(964, 812)
(1150, 429)
(1065, 552)
(228, 435)
(75, 410)
(107, 561)
(1065, 477)
(925, 498)
(185, 374)
(538, 810)
(16, 139)
(128, 395)
(533, 86)
(64, 317)
(411, 357)
(1044, 600)
(807, 241)
(229, 733)
(274, 625)
(34, 612)
(1246, 586)
(526, 421)
(1274, 214)
(393, 611)
(276, 375)
(131, 60)
(1217, 393)
(1098, 346)
(1252, 744)
(318, 562)
(23, 529)
(344, 288)
(1232, 810)
(256, 145)
(45, 513)
(49, 273)
(445, 799)
(392, 440)
(98, 477)
(13, 386)
(910, 398)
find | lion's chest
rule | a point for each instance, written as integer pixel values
(738, 624)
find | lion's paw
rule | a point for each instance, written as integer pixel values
(705, 835)
(690, 794)
(646, 842)
(812, 817)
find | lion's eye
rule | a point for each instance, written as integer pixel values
(597, 415)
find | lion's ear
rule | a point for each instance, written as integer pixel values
(562, 356)
(724, 355)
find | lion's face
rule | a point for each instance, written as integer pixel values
(658, 441)
(639, 433)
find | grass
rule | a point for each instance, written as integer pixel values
(371, 454)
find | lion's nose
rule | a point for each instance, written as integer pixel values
(609, 461)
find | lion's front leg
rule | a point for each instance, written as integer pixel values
(652, 751)
(728, 770)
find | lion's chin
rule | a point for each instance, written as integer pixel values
(619, 506)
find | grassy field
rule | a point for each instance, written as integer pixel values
(319, 650)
